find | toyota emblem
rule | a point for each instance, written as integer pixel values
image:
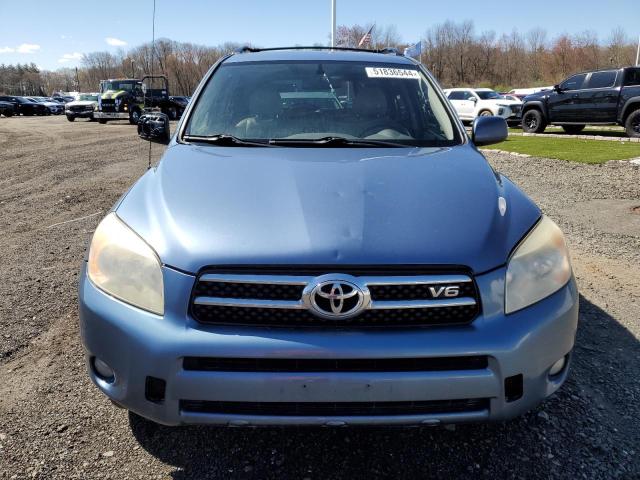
(335, 297)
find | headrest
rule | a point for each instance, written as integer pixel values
(265, 103)
(370, 102)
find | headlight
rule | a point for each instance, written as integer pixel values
(539, 267)
(123, 265)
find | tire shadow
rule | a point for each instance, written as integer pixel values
(589, 429)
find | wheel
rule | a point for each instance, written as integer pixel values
(486, 113)
(173, 114)
(8, 113)
(102, 121)
(573, 129)
(632, 125)
(134, 116)
(71, 118)
(533, 122)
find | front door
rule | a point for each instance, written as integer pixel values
(462, 101)
(564, 106)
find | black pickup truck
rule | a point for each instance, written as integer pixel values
(603, 97)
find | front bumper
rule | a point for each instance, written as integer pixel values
(111, 115)
(139, 345)
(80, 114)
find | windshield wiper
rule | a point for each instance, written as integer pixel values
(225, 140)
(333, 142)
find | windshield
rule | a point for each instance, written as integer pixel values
(89, 98)
(116, 85)
(488, 95)
(313, 100)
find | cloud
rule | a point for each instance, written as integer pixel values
(28, 48)
(67, 57)
(115, 42)
(7, 50)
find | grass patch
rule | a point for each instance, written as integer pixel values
(602, 132)
(573, 149)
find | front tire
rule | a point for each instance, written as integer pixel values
(632, 125)
(102, 121)
(486, 113)
(71, 118)
(8, 113)
(134, 117)
(573, 129)
(533, 122)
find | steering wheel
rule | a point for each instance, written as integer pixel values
(385, 124)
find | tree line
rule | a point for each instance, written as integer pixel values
(458, 56)
(454, 52)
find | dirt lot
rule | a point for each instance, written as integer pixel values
(55, 424)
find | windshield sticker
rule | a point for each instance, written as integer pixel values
(378, 72)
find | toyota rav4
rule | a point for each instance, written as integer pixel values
(323, 244)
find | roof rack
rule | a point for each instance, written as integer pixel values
(388, 51)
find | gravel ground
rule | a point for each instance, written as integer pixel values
(55, 424)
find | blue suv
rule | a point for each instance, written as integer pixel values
(323, 244)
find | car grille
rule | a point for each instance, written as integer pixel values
(81, 108)
(108, 105)
(336, 409)
(425, 364)
(276, 297)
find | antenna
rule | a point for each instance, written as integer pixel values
(153, 49)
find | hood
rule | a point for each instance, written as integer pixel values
(537, 96)
(509, 102)
(502, 101)
(82, 103)
(207, 205)
(109, 94)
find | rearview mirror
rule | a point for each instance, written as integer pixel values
(489, 130)
(154, 127)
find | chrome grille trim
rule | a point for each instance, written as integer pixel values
(406, 304)
(364, 282)
(415, 280)
(249, 303)
(273, 279)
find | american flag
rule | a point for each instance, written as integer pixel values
(366, 39)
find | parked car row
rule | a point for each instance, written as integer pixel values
(602, 97)
(25, 105)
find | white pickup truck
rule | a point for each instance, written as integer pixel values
(470, 103)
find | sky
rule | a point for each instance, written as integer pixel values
(56, 34)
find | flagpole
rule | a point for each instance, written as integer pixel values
(638, 54)
(333, 23)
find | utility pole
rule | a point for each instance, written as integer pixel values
(333, 23)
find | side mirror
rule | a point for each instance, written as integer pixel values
(489, 130)
(474, 99)
(557, 89)
(154, 127)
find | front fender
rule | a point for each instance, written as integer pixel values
(630, 104)
(537, 104)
